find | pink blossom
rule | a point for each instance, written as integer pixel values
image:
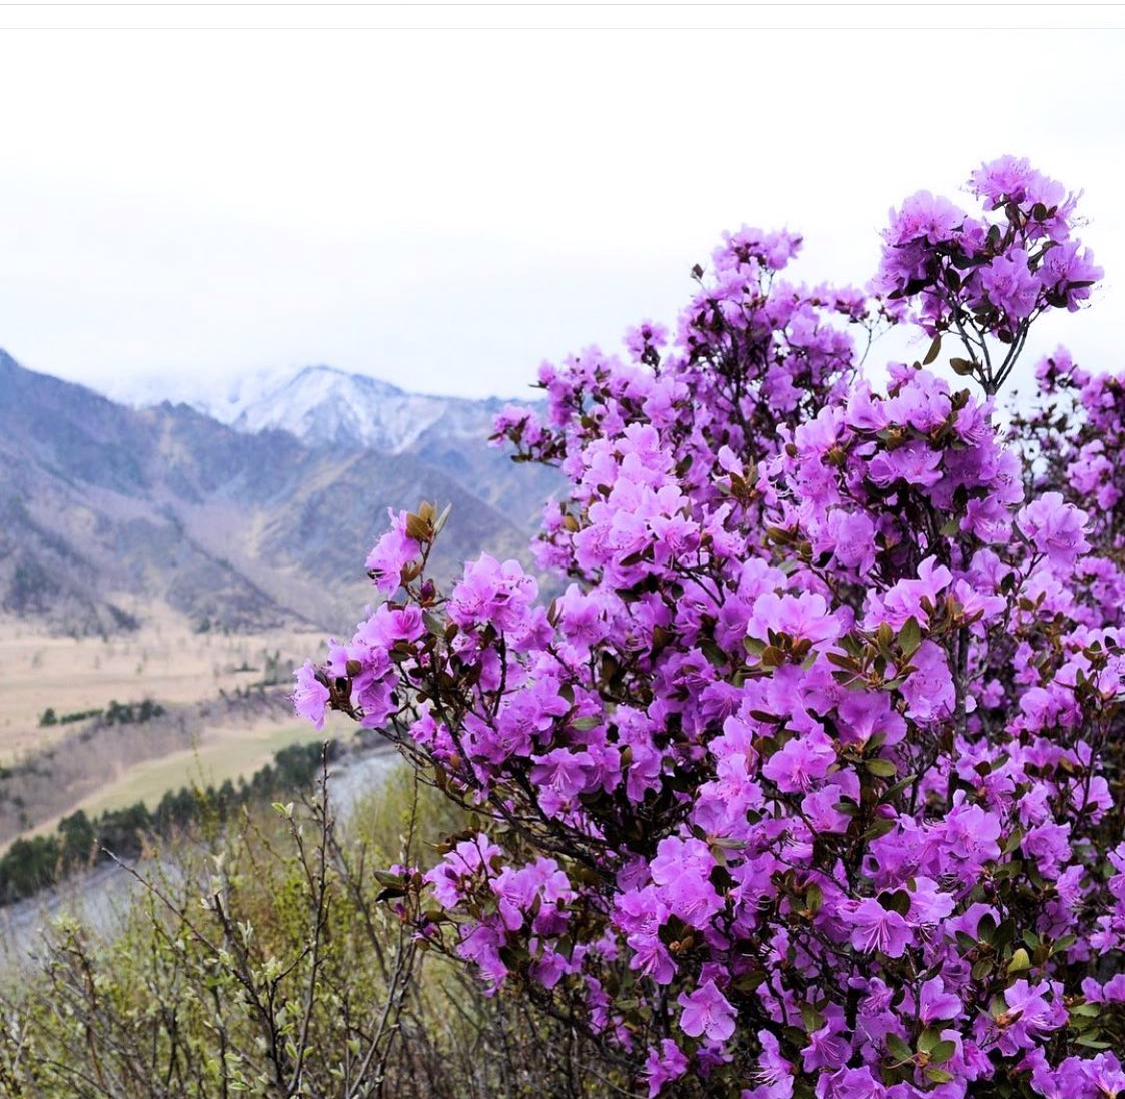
(310, 696)
(706, 1012)
(879, 928)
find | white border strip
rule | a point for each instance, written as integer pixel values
(563, 17)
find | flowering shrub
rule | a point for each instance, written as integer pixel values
(810, 782)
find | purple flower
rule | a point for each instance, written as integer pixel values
(1010, 178)
(801, 617)
(970, 834)
(937, 1005)
(915, 463)
(491, 593)
(1010, 285)
(879, 928)
(1057, 528)
(923, 217)
(1031, 1012)
(392, 553)
(663, 1065)
(1068, 272)
(706, 1012)
(774, 1074)
(682, 870)
(857, 1083)
(822, 699)
(800, 761)
(929, 690)
(310, 696)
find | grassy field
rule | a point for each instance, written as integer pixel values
(164, 661)
(230, 752)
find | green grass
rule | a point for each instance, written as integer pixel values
(229, 754)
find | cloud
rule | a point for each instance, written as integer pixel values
(445, 210)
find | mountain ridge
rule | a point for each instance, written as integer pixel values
(233, 527)
(326, 406)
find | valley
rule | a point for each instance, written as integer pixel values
(164, 567)
(102, 723)
(167, 660)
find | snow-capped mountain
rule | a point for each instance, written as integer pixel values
(322, 405)
(109, 511)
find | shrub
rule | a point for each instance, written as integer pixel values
(296, 976)
(810, 783)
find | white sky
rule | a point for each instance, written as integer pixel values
(445, 209)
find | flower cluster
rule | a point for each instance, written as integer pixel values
(808, 783)
(990, 275)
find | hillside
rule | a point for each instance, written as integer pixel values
(106, 509)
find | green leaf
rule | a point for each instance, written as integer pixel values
(898, 901)
(1013, 841)
(814, 898)
(1086, 1011)
(772, 657)
(938, 1075)
(812, 1018)
(942, 1052)
(1091, 1041)
(418, 528)
(929, 1039)
(1065, 943)
(442, 519)
(880, 828)
(715, 655)
(1020, 961)
(910, 637)
(965, 942)
(884, 768)
(898, 787)
(899, 1048)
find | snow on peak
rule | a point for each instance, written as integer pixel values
(323, 405)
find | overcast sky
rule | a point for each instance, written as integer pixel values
(446, 209)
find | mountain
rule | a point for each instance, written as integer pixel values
(326, 407)
(322, 405)
(259, 521)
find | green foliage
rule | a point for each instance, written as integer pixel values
(31, 865)
(263, 962)
(131, 713)
(116, 713)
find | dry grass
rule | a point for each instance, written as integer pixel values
(164, 660)
(202, 739)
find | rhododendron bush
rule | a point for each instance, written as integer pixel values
(809, 782)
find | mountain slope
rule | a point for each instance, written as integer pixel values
(324, 406)
(103, 507)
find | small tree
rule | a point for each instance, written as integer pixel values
(810, 783)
